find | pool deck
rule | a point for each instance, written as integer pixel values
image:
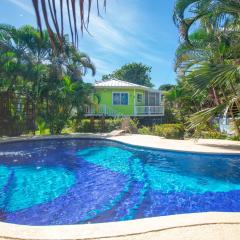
(192, 145)
(196, 226)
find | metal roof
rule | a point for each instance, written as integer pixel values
(117, 84)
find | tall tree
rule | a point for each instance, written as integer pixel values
(208, 58)
(137, 73)
(166, 87)
(34, 79)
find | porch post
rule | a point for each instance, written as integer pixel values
(134, 102)
(105, 109)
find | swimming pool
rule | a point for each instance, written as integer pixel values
(74, 181)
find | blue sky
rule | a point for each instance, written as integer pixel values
(130, 31)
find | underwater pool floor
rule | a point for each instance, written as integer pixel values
(77, 181)
(211, 225)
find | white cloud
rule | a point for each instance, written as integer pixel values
(24, 5)
(103, 67)
(155, 58)
(119, 36)
(107, 36)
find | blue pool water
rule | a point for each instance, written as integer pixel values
(73, 181)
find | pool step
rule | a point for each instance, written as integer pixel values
(127, 208)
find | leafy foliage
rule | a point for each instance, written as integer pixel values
(169, 131)
(207, 61)
(166, 87)
(137, 73)
(172, 131)
(51, 13)
(37, 86)
(145, 131)
(100, 125)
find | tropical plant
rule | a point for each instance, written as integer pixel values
(50, 12)
(171, 131)
(137, 73)
(210, 14)
(208, 57)
(39, 83)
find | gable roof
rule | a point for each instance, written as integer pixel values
(115, 83)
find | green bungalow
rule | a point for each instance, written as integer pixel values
(119, 98)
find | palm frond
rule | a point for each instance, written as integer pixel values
(213, 13)
(48, 14)
(209, 75)
(205, 115)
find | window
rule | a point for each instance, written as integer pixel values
(152, 99)
(139, 97)
(116, 98)
(120, 98)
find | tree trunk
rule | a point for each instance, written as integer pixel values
(216, 100)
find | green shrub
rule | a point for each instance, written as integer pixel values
(145, 131)
(213, 135)
(207, 131)
(112, 124)
(170, 131)
(42, 128)
(133, 126)
(234, 138)
(85, 126)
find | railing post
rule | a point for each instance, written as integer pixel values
(105, 109)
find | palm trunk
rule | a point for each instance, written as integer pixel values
(216, 100)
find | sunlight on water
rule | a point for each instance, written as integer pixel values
(123, 161)
(30, 186)
(55, 182)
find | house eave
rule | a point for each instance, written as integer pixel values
(127, 87)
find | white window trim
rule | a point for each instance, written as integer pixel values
(140, 93)
(120, 99)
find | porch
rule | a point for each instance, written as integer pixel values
(138, 111)
(150, 104)
(149, 110)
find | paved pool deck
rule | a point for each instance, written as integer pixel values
(196, 226)
(192, 145)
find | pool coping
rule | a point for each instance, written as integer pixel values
(117, 229)
(117, 139)
(113, 229)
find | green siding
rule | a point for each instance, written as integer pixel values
(106, 99)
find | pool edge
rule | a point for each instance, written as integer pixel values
(118, 229)
(125, 229)
(108, 137)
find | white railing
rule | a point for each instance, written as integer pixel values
(149, 110)
(97, 110)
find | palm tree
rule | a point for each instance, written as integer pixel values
(76, 63)
(210, 13)
(32, 71)
(209, 57)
